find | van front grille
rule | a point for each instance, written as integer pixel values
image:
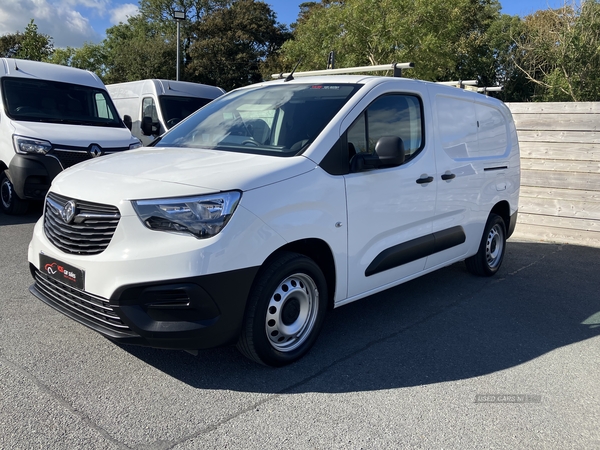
(84, 305)
(87, 230)
(70, 158)
(69, 155)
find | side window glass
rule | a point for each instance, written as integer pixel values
(357, 136)
(390, 115)
(396, 115)
(102, 107)
(149, 109)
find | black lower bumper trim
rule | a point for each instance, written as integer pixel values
(192, 313)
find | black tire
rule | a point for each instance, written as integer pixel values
(285, 311)
(490, 254)
(10, 203)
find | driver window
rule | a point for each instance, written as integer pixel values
(149, 109)
(390, 115)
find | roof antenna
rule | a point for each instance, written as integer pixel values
(16, 67)
(290, 77)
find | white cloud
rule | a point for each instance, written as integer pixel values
(63, 20)
(123, 12)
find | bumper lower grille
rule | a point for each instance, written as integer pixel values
(89, 230)
(88, 308)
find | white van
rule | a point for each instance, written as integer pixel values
(51, 117)
(250, 219)
(151, 107)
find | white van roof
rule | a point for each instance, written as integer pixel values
(164, 87)
(23, 68)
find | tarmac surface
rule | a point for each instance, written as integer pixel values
(446, 361)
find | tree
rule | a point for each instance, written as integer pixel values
(445, 39)
(224, 42)
(138, 50)
(90, 57)
(230, 46)
(10, 44)
(28, 45)
(560, 52)
(504, 35)
(34, 46)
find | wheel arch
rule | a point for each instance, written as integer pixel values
(502, 209)
(320, 252)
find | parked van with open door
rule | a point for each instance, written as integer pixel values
(151, 107)
(51, 117)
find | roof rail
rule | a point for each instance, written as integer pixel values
(485, 90)
(460, 83)
(396, 67)
(471, 85)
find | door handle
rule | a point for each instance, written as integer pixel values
(425, 180)
(448, 176)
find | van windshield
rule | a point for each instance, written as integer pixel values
(175, 109)
(277, 119)
(56, 102)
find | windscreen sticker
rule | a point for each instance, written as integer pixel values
(317, 86)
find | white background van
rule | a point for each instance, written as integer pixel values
(51, 117)
(151, 107)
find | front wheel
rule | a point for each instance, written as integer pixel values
(10, 203)
(490, 254)
(285, 311)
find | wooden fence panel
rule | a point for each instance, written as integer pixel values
(560, 171)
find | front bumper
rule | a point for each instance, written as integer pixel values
(31, 175)
(189, 313)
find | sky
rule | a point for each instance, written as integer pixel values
(75, 22)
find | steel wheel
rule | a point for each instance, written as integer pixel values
(292, 312)
(494, 246)
(490, 254)
(285, 310)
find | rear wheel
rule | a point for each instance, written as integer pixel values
(285, 311)
(488, 258)
(10, 203)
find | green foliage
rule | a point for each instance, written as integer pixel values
(504, 34)
(10, 44)
(34, 46)
(223, 42)
(90, 57)
(551, 55)
(560, 52)
(231, 44)
(138, 50)
(28, 45)
(445, 39)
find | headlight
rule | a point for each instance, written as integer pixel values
(203, 216)
(138, 144)
(26, 145)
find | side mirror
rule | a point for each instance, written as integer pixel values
(127, 121)
(389, 152)
(146, 125)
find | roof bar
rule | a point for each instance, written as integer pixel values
(460, 83)
(490, 89)
(394, 66)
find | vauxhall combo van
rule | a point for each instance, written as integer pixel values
(246, 222)
(51, 117)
